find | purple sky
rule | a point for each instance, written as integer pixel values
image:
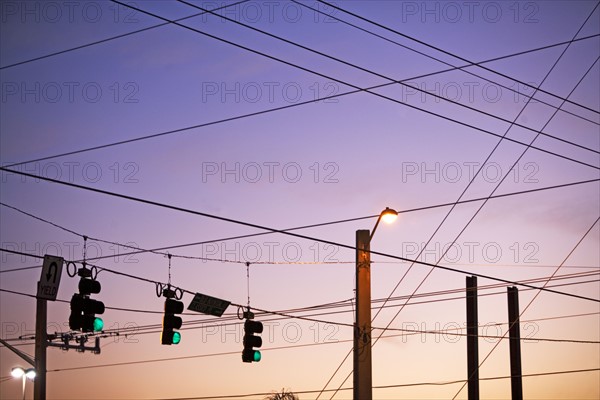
(335, 159)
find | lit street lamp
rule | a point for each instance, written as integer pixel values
(363, 383)
(25, 374)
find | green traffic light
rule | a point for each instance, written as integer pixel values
(177, 338)
(256, 357)
(98, 324)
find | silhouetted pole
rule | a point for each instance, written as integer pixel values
(362, 328)
(39, 383)
(516, 382)
(472, 336)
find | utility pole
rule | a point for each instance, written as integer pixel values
(472, 336)
(41, 340)
(516, 381)
(363, 373)
(363, 384)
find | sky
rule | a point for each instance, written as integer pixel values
(285, 114)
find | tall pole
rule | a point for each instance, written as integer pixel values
(363, 384)
(516, 383)
(39, 383)
(472, 344)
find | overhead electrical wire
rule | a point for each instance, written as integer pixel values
(347, 303)
(392, 80)
(421, 42)
(158, 251)
(282, 61)
(462, 68)
(242, 116)
(304, 318)
(330, 16)
(288, 233)
(94, 239)
(414, 384)
(56, 53)
(319, 224)
(340, 20)
(405, 331)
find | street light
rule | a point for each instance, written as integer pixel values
(25, 374)
(363, 383)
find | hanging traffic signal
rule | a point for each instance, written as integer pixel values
(250, 341)
(171, 322)
(83, 308)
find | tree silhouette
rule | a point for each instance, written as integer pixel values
(282, 396)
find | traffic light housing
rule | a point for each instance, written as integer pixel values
(250, 341)
(84, 309)
(171, 322)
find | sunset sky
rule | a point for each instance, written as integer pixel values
(232, 124)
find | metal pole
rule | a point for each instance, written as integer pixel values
(362, 330)
(39, 383)
(516, 382)
(472, 344)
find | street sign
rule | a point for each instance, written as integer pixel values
(208, 305)
(50, 279)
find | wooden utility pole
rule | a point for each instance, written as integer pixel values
(472, 336)
(41, 340)
(363, 384)
(516, 381)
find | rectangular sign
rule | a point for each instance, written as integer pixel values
(208, 305)
(50, 278)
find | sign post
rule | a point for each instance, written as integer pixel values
(47, 290)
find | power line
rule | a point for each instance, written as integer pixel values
(439, 383)
(453, 67)
(116, 243)
(341, 304)
(158, 250)
(265, 228)
(331, 222)
(266, 111)
(137, 329)
(457, 56)
(282, 61)
(334, 322)
(392, 80)
(56, 53)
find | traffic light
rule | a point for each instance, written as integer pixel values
(250, 340)
(171, 321)
(83, 308)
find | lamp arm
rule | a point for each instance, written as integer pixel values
(374, 228)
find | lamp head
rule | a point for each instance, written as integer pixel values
(389, 215)
(30, 374)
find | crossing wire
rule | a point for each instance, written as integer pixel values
(265, 228)
(462, 68)
(97, 42)
(457, 56)
(359, 89)
(392, 80)
(266, 111)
